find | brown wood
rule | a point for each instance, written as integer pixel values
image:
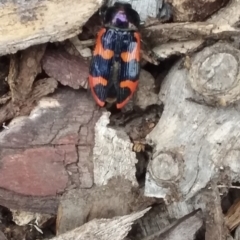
(69, 70)
(188, 10)
(215, 226)
(23, 71)
(232, 218)
(40, 89)
(50, 151)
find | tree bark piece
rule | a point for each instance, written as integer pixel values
(215, 226)
(219, 26)
(67, 69)
(237, 234)
(112, 154)
(103, 229)
(188, 10)
(163, 33)
(177, 48)
(36, 22)
(151, 223)
(23, 71)
(209, 71)
(41, 88)
(182, 229)
(194, 142)
(232, 218)
(117, 198)
(48, 146)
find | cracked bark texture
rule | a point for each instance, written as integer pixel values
(112, 154)
(197, 137)
(40, 21)
(47, 152)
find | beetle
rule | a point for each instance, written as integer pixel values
(115, 66)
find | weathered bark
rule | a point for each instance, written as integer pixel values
(23, 71)
(183, 10)
(215, 226)
(188, 10)
(112, 154)
(26, 23)
(67, 69)
(103, 229)
(182, 229)
(66, 141)
(48, 152)
(195, 141)
(151, 223)
(178, 48)
(40, 89)
(232, 218)
(183, 38)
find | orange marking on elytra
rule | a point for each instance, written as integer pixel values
(99, 50)
(129, 84)
(132, 86)
(135, 54)
(93, 81)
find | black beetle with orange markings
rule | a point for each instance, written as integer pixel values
(115, 67)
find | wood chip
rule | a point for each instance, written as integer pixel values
(232, 218)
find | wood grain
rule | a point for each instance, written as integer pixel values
(26, 23)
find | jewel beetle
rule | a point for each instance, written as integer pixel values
(115, 66)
